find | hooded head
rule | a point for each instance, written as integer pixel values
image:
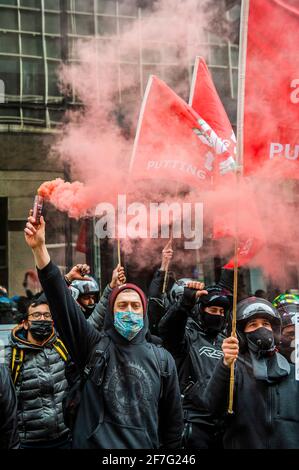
(213, 308)
(126, 321)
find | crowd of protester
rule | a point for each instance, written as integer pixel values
(126, 370)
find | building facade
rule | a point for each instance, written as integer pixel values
(36, 37)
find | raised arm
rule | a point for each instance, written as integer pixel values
(172, 325)
(78, 336)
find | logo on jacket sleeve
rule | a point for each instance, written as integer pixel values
(210, 352)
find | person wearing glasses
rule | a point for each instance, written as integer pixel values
(38, 362)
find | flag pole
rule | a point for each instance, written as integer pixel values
(118, 252)
(171, 238)
(240, 129)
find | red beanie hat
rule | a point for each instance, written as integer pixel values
(119, 289)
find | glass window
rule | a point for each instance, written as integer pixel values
(127, 8)
(10, 74)
(56, 116)
(33, 77)
(9, 43)
(128, 54)
(235, 56)
(106, 26)
(53, 46)
(31, 21)
(53, 89)
(150, 70)
(151, 56)
(31, 3)
(126, 24)
(8, 2)
(235, 84)
(83, 25)
(52, 4)
(219, 55)
(32, 45)
(52, 23)
(34, 115)
(8, 19)
(221, 80)
(85, 6)
(9, 114)
(107, 7)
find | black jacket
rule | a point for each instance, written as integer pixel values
(157, 302)
(123, 407)
(266, 416)
(9, 438)
(196, 355)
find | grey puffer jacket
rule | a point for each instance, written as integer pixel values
(41, 386)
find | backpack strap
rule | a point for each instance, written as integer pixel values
(17, 360)
(162, 361)
(98, 355)
(61, 349)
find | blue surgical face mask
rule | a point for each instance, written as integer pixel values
(128, 324)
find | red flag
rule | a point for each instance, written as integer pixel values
(271, 118)
(172, 141)
(205, 100)
(247, 250)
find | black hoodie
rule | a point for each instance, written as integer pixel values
(125, 411)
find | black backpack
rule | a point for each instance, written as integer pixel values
(77, 381)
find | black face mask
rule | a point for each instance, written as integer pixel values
(213, 323)
(261, 341)
(287, 349)
(41, 329)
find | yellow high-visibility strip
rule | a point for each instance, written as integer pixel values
(13, 361)
(20, 362)
(60, 348)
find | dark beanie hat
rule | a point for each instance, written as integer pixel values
(118, 290)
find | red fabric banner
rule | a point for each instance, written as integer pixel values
(271, 118)
(205, 100)
(172, 141)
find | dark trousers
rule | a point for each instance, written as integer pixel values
(201, 436)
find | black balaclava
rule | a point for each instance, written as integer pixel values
(287, 347)
(267, 364)
(213, 324)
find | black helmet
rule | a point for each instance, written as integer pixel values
(216, 297)
(177, 289)
(84, 287)
(287, 306)
(253, 307)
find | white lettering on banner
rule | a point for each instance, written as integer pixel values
(290, 152)
(176, 165)
(294, 96)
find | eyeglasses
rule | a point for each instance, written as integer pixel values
(39, 315)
